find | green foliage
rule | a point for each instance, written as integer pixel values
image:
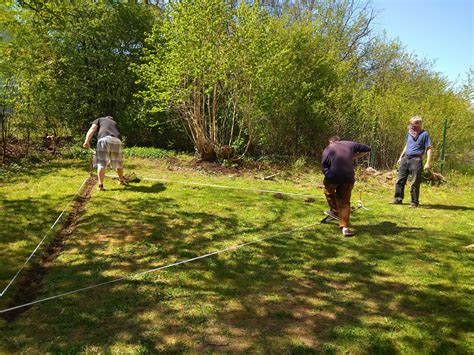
(260, 78)
(187, 69)
(71, 61)
(23, 165)
(76, 152)
(148, 152)
(400, 87)
(12, 169)
(299, 164)
(229, 163)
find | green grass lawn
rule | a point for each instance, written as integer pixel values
(403, 285)
(31, 201)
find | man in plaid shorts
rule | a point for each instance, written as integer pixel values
(109, 148)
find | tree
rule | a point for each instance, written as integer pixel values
(71, 60)
(188, 69)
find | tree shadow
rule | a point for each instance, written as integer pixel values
(155, 188)
(385, 228)
(156, 240)
(26, 220)
(302, 292)
(446, 207)
(24, 223)
(45, 169)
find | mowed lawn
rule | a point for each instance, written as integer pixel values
(404, 284)
(30, 202)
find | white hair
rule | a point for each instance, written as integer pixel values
(416, 119)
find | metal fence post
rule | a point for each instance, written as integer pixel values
(443, 145)
(374, 137)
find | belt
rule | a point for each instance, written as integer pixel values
(414, 156)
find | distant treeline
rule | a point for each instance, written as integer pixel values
(227, 78)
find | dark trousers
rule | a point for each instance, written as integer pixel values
(339, 200)
(409, 166)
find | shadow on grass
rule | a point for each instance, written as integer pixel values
(47, 168)
(24, 223)
(385, 228)
(447, 207)
(300, 293)
(155, 188)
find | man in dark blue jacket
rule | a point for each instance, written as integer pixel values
(410, 161)
(338, 168)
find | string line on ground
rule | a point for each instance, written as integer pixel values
(42, 240)
(156, 269)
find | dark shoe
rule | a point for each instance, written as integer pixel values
(331, 214)
(396, 202)
(101, 187)
(347, 232)
(413, 205)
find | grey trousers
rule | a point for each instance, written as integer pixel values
(410, 165)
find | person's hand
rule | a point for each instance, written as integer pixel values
(427, 166)
(399, 161)
(86, 145)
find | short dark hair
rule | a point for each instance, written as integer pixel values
(334, 139)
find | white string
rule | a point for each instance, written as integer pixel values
(42, 240)
(154, 270)
(230, 187)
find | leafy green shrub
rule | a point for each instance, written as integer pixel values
(22, 166)
(299, 164)
(75, 152)
(148, 152)
(11, 169)
(229, 163)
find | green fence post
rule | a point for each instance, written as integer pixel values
(372, 160)
(443, 145)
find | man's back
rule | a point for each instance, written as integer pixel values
(337, 160)
(107, 127)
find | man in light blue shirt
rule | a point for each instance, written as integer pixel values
(410, 161)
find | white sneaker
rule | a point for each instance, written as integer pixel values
(347, 232)
(331, 214)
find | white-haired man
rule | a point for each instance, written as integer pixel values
(411, 161)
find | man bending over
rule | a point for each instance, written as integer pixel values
(338, 168)
(109, 148)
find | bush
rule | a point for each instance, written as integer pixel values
(299, 164)
(22, 166)
(147, 152)
(75, 152)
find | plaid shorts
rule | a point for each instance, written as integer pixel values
(109, 151)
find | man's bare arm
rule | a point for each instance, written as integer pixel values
(89, 135)
(429, 154)
(401, 155)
